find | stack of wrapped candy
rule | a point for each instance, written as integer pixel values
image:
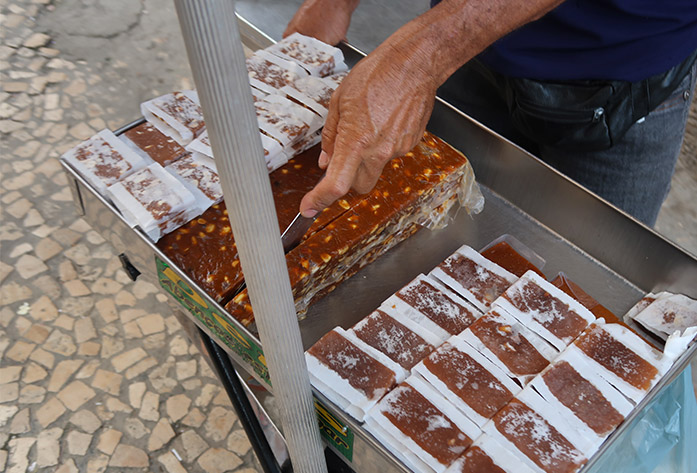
(291, 84)
(529, 381)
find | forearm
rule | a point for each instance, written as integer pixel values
(444, 38)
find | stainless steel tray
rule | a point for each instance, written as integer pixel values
(613, 257)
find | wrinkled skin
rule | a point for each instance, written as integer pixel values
(381, 108)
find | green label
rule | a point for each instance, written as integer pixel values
(334, 432)
(226, 333)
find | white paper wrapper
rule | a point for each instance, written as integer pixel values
(619, 364)
(313, 92)
(318, 58)
(150, 198)
(395, 306)
(338, 389)
(514, 330)
(269, 73)
(104, 159)
(455, 343)
(643, 303)
(177, 115)
(286, 122)
(404, 446)
(478, 289)
(584, 444)
(559, 406)
(543, 321)
(201, 145)
(200, 176)
(416, 328)
(513, 425)
(668, 314)
(678, 342)
(498, 455)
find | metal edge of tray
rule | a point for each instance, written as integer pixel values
(103, 216)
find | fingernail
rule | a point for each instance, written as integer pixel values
(309, 213)
(323, 159)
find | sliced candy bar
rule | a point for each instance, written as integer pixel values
(621, 357)
(545, 310)
(318, 58)
(154, 200)
(351, 373)
(103, 160)
(428, 303)
(269, 73)
(285, 121)
(177, 115)
(150, 143)
(519, 352)
(468, 379)
(473, 277)
(312, 92)
(199, 175)
(583, 398)
(397, 339)
(486, 455)
(421, 427)
(533, 440)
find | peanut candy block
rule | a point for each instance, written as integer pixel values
(268, 72)
(408, 192)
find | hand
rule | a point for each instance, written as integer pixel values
(379, 111)
(326, 20)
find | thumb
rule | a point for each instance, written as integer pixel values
(335, 184)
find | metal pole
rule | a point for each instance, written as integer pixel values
(217, 61)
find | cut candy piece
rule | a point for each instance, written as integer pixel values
(621, 357)
(519, 352)
(527, 434)
(401, 344)
(177, 115)
(468, 379)
(428, 303)
(350, 373)
(150, 143)
(473, 277)
(414, 419)
(503, 254)
(104, 160)
(154, 200)
(318, 58)
(643, 303)
(285, 121)
(200, 176)
(584, 444)
(583, 398)
(574, 290)
(667, 315)
(486, 455)
(312, 92)
(269, 73)
(545, 310)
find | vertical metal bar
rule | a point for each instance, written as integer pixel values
(217, 61)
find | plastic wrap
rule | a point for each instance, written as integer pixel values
(661, 439)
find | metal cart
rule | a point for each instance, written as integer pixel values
(613, 257)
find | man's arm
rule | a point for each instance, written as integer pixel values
(381, 108)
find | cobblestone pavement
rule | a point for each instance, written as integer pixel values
(95, 373)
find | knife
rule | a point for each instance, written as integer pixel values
(292, 236)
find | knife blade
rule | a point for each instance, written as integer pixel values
(292, 236)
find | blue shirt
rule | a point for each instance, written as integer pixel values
(599, 39)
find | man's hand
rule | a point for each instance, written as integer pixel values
(379, 111)
(326, 20)
(381, 108)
